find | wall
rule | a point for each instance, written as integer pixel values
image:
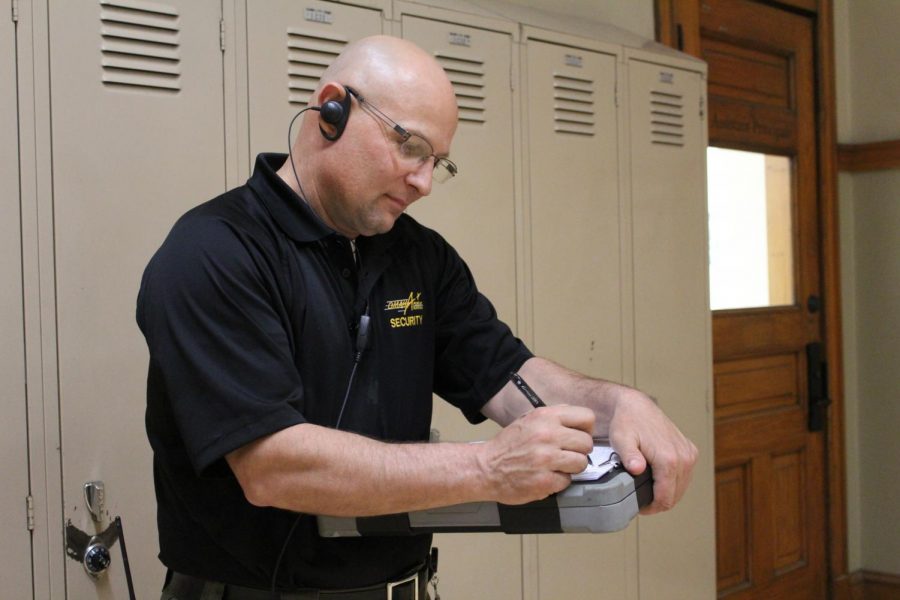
(868, 85)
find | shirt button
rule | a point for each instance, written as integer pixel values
(345, 273)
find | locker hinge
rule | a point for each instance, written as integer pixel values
(15, 11)
(702, 108)
(29, 509)
(222, 35)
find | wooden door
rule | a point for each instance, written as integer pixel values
(770, 465)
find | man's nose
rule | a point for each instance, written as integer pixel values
(421, 178)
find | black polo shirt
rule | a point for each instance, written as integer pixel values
(249, 310)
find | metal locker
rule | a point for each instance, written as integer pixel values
(289, 46)
(673, 357)
(576, 268)
(573, 172)
(137, 113)
(15, 555)
(476, 213)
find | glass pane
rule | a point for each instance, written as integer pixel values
(750, 231)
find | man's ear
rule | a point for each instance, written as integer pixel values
(334, 110)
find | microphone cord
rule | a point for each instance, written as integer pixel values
(362, 342)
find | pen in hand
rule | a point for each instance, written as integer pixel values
(526, 390)
(531, 395)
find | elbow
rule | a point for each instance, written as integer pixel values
(257, 487)
(256, 492)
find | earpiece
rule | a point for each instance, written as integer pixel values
(335, 113)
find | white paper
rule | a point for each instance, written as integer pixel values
(602, 460)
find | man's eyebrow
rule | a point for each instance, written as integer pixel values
(418, 133)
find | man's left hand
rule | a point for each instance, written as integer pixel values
(640, 433)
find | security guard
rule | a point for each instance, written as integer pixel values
(297, 327)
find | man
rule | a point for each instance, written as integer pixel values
(297, 327)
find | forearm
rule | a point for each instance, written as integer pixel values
(312, 469)
(556, 384)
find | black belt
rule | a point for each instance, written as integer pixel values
(411, 586)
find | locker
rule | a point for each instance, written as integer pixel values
(475, 212)
(15, 555)
(289, 46)
(672, 327)
(137, 112)
(574, 200)
(572, 170)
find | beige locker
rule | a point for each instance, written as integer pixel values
(476, 213)
(289, 45)
(672, 320)
(15, 554)
(137, 139)
(576, 273)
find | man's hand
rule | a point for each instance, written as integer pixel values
(535, 455)
(641, 433)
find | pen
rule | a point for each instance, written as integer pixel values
(526, 390)
(532, 396)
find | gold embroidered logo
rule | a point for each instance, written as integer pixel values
(405, 306)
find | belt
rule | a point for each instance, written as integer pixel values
(411, 586)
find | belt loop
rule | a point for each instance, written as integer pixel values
(414, 578)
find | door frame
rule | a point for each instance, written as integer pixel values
(678, 26)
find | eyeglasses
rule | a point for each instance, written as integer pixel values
(412, 146)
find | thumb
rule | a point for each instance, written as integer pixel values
(633, 460)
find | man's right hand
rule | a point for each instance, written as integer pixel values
(536, 455)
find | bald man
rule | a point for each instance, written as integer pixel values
(298, 326)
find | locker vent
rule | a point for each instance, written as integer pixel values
(467, 76)
(139, 45)
(666, 118)
(573, 105)
(309, 54)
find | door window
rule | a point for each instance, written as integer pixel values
(750, 229)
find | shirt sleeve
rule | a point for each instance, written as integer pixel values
(219, 346)
(475, 350)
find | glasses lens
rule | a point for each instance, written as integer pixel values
(415, 148)
(444, 169)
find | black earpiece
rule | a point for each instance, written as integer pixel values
(335, 113)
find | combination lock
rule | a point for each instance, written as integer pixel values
(92, 551)
(96, 558)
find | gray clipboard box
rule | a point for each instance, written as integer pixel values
(601, 506)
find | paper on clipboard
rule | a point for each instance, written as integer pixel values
(603, 459)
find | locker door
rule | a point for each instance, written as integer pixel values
(577, 279)
(15, 554)
(289, 45)
(138, 138)
(475, 212)
(672, 344)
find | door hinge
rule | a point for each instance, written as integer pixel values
(15, 11)
(222, 35)
(29, 511)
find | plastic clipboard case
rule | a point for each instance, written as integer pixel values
(604, 505)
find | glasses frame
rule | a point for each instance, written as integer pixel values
(447, 166)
